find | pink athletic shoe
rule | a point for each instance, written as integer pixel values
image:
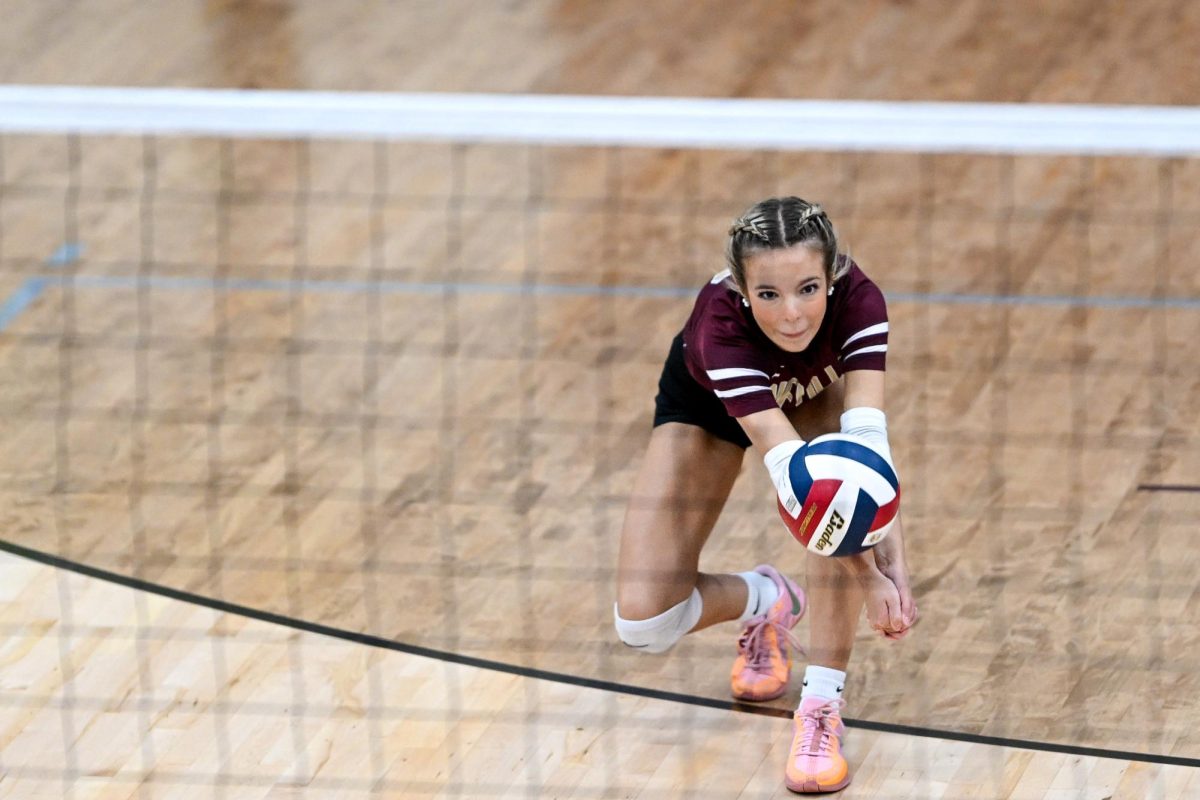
(815, 763)
(764, 661)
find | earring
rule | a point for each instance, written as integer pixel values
(830, 290)
(745, 302)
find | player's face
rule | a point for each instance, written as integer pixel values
(787, 289)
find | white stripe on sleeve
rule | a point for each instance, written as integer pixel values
(743, 390)
(735, 372)
(871, 331)
(878, 348)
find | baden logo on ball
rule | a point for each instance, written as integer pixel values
(846, 490)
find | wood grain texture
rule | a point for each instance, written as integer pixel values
(404, 451)
(1022, 51)
(449, 467)
(147, 696)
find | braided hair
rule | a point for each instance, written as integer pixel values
(782, 222)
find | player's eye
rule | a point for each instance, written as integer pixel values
(809, 288)
(766, 294)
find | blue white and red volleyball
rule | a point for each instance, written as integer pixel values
(846, 496)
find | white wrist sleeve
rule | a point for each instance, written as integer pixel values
(776, 461)
(870, 424)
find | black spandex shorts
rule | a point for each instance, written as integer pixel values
(681, 399)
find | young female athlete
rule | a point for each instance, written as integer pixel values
(788, 342)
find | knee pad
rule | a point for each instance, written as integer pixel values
(659, 634)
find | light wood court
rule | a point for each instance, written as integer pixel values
(399, 390)
(168, 699)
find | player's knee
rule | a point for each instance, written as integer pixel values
(659, 633)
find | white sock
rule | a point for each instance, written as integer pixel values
(823, 682)
(762, 594)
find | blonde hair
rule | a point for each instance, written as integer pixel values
(782, 222)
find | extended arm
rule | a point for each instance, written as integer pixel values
(865, 390)
(881, 571)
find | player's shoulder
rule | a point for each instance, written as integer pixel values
(719, 317)
(721, 285)
(857, 303)
(720, 296)
(855, 287)
(855, 277)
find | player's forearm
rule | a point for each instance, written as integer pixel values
(766, 429)
(890, 552)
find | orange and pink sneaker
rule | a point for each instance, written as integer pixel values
(815, 763)
(764, 661)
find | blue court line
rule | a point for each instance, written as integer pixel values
(592, 290)
(67, 253)
(1074, 301)
(382, 287)
(19, 300)
(33, 287)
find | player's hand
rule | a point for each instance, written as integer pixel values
(889, 559)
(884, 608)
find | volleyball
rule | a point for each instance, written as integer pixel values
(848, 496)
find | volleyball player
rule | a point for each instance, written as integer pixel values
(787, 343)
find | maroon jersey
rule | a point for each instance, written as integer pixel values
(727, 353)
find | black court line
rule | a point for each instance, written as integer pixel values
(570, 680)
(1167, 487)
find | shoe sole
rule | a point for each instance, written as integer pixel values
(812, 787)
(760, 698)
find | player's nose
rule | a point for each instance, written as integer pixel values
(792, 308)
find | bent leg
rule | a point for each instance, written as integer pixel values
(683, 483)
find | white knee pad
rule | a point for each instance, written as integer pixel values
(659, 634)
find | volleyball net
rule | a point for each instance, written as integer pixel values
(393, 383)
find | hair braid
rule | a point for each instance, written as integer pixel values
(782, 222)
(750, 225)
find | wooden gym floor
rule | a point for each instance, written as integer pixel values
(407, 413)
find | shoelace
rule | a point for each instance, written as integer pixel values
(818, 726)
(753, 644)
